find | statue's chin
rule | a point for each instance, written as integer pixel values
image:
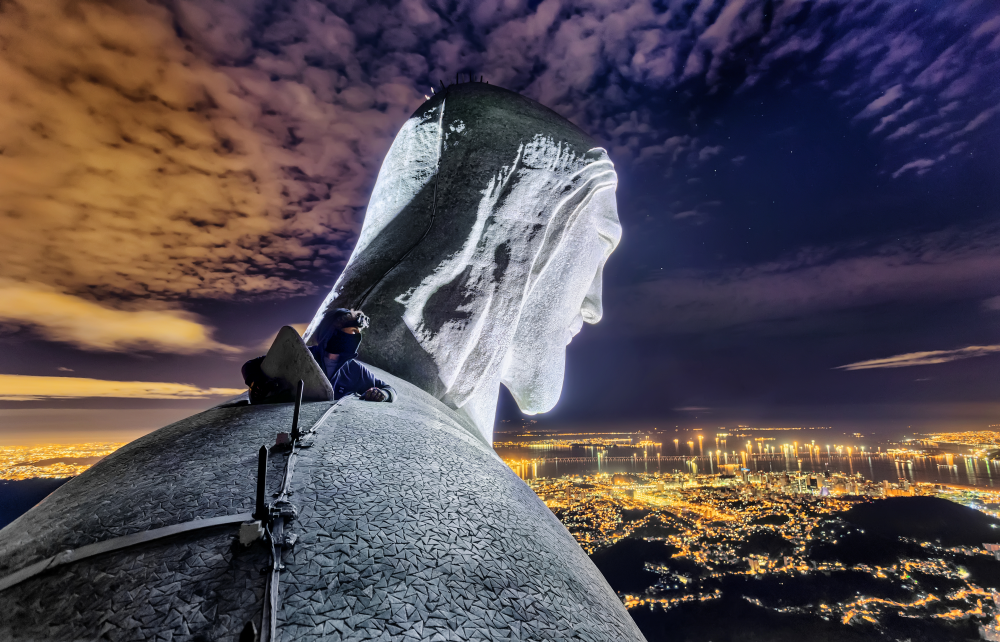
(536, 383)
(535, 403)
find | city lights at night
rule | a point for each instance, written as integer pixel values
(780, 516)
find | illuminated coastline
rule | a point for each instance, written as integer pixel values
(51, 461)
(707, 518)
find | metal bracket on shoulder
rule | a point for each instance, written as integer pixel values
(116, 544)
(281, 513)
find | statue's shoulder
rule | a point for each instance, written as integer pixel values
(417, 405)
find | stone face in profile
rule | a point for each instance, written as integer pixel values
(482, 250)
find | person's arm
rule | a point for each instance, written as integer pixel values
(371, 383)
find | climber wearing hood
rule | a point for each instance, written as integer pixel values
(335, 350)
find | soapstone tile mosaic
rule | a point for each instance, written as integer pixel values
(191, 587)
(409, 527)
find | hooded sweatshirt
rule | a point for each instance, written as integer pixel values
(348, 376)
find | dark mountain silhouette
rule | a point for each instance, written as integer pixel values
(929, 519)
(623, 563)
(16, 497)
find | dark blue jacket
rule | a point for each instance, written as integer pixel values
(348, 376)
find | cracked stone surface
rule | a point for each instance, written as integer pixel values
(409, 528)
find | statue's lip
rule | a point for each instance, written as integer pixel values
(574, 328)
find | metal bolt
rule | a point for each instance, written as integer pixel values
(261, 511)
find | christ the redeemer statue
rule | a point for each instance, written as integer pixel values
(482, 250)
(479, 260)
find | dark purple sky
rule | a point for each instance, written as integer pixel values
(803, 186)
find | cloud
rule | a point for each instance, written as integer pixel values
(889, 96)
(85, 324)
(896, 53)
(708, 152)
(992, 303)
(668, 151)
(698, 215)
(590, 60)
(991, 26)
(220, 149)
(946, 266)
(132, 166)
(947, 65)
(885, 121)
(920, 166)
(923, 358)
(907, 129)
(978, 121)
(28, 388)
(739, 21)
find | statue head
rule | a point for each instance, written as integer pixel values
(482, 250)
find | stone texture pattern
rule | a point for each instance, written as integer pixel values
(289, 360)
(197, 587)
(203, 466)
(434, 538)
(409, 527)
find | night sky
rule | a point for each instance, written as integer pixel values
(804, 186)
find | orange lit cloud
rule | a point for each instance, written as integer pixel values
(85, 324)
(922, 358)
(132, 166)
(27, 388)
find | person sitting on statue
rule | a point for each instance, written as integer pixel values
(336, 351)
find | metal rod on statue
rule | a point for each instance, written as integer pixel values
(261, 510)
(298, 407)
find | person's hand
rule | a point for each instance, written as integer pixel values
(374, 394)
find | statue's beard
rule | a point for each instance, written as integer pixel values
(535, 381)
(535, 365)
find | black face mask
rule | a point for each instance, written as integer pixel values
(342, 343)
